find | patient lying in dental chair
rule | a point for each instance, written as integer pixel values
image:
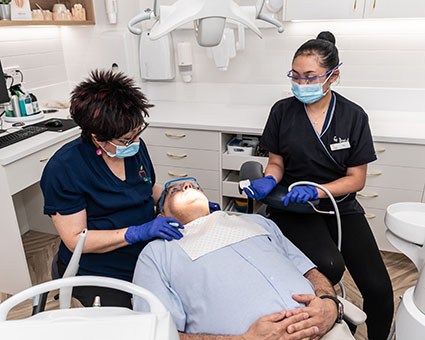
(234, 275)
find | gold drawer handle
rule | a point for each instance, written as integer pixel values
(380, 150)
(44, 160)
(169, 154)
(175, 136)
(177, 175)
(367, 195)
(355, 5)
(378, 173)
(370, 217)
(374, 5)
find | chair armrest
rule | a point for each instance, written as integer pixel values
(352, 313)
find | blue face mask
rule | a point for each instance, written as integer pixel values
(309, 93)
(124, 151)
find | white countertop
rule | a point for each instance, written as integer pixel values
(38, 142)
(386, 126)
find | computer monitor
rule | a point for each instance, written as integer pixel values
(4, 96)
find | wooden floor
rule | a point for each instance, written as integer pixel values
(40, 249)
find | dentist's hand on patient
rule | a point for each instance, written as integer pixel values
(260, 188)
(160, 227)
(300, 194)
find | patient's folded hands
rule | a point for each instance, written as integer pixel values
(274, 326)
(322, 314)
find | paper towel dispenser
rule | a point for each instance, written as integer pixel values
(157, 58)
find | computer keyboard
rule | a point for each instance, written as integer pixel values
(22, 134)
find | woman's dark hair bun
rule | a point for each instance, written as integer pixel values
(328, 36)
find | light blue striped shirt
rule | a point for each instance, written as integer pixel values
(225, 291)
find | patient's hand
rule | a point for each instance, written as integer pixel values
(274, 326)
(322, 314)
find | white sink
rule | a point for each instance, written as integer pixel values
(407, 221)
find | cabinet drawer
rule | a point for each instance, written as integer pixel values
(234, 162)
(375, 217)
(27, 171)
(206, 140)
(206, 178)
(231, 186)
(395, 177)
(406, 155)
(381, 198)
(184, 158)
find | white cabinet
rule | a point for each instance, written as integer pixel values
(323, 9)
(394, 9)
(352, 9)
(179, 153)
(398, 175)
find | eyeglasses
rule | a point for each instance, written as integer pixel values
(176, 185)
(311, 79)
(127, 142)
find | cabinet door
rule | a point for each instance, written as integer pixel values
(323, 9)
(394, 9)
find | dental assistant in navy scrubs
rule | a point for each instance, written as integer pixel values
(320, 136)
(104, 181)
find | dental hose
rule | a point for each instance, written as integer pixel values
(336, 213)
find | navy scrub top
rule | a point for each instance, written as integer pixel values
(76, 178)
(310, 156)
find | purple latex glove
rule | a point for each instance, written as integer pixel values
(213, 206)
(260, 188)
(160, 227)
(300, 194)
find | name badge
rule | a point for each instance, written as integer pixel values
(340, 146)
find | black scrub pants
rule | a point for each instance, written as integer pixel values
(316, 236)
(108, 296)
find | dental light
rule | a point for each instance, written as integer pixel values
(208, 16)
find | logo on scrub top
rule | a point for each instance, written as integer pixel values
(143, 175)
(340, 140)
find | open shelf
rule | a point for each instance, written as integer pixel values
(48, 4)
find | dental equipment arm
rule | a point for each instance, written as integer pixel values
(209, 18)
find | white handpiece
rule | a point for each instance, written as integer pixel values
(245, 184)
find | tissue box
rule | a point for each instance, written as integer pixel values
(245, 146)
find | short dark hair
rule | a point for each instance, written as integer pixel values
(324, 47)
(108, 105)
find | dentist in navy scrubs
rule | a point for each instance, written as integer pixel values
(105, 181)
(318, 135)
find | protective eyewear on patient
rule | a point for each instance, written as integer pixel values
(127, 142)
(176, 185)
(311, 79)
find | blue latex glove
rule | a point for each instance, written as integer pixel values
(214, 206)
(260, 188)
(300, 194)
(162, 227)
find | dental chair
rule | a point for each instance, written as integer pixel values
(106, 323)
(253, 170)
(406, 231)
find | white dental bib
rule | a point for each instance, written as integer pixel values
(216, 231)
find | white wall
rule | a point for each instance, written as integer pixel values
(376, 53)
(37, 51)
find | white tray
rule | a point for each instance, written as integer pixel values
(25, 118)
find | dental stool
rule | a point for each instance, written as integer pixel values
(253, 170)
(406, 231)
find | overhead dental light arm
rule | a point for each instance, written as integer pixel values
(147, 14)
(209, 17)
